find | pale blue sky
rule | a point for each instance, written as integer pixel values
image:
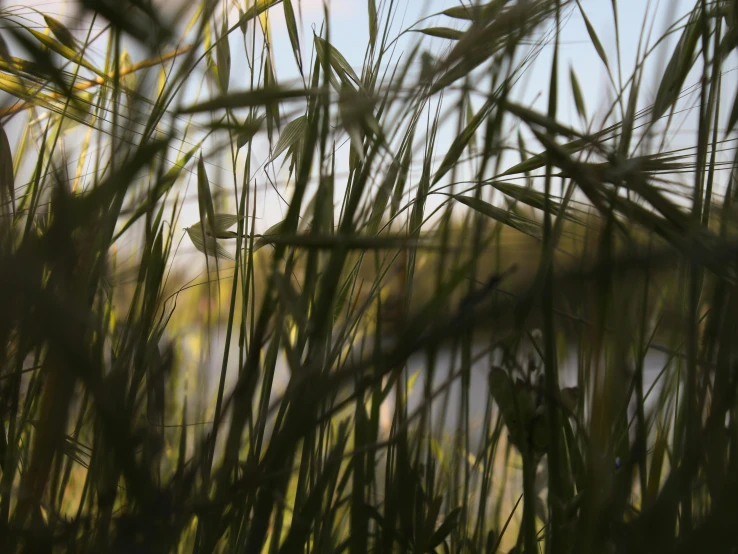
(349, 33)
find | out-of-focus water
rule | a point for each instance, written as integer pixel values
(446, 363)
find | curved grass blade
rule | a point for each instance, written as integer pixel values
(205, 203)
(577, 93)
(531, 197)
(7, 180)
(373, 22)
(339, 64)
(291, 21)
(441, 32)
(498, 214)
(679, 66)
(266, 96)
(164, 185)
(66, 52)
(207, 245)
(223, 57)
(221, 224)
(473, 12)
(462, 141)
(290, 135)
(61, 32)
(593, 37)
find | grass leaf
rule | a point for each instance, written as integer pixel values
(291, 21)
(577, 93)
(442, 32)
(498, 214)
(593, 37)
(61, 32)
(223, 57)
(207, 245)
(373, 22)
(339, 64)
(259, 97)
(7, 179)
(291, 134)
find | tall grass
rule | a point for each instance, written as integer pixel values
(431, 220)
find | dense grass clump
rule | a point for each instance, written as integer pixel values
(479, 324)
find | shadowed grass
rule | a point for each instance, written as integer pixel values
(476, 327)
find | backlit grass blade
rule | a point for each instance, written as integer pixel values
(292, 133)
(442, 32)
(593, 37)
(259, 97)
(291, 21)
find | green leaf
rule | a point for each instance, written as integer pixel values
(182, 455)
(373, 19)
(577, 92)
(522, 150)
(260, 97)
(356, 110)
(169, 178)
(488, 37)
(533, 198)
(733, 119)
(461, 142)
(472, 12)
(205, 201)
(256, 9)
(273, 119)
(441, 32)
(154, 274)
(337, 61)
(402, 178)
(78, 110)
(66, 52)
(680, 64)
(291, 21)
(525, 195)
(16, 87)
(249, 128)
(383, 195)
(128, 81)
(7, 180)
(503, 216)
(162, 187)
(221, 224)
(531, 117)
(290, 135)
(4, 52)
(138, 18)
(273, 231)
(504, 394)
(593, 37)
(60, 31)
(312, 507)
(347, 242)
(450, 522)
(657, 464)
(541, 159)
(223, 57)
(207, 245)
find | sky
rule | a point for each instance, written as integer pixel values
(349, 34)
